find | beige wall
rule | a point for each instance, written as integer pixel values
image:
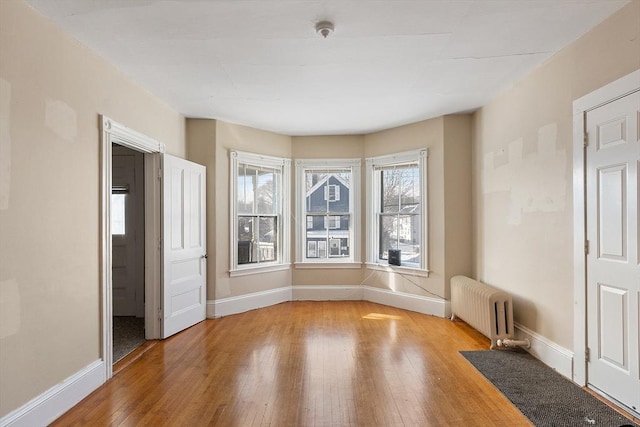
(522, 169)
(235, 137)
(52, 90)
(201, 148)
(458, 224)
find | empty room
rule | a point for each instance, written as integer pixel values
(319, 212)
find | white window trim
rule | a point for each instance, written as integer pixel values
(373, 188)
(283, 258)
(302, 165)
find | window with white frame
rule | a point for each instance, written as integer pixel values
(397, 208)
(259, 211)
(327, 209)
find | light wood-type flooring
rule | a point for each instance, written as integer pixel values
(333, 363)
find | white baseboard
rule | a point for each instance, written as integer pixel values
(240, 304)
(54, 402)
(417, 303)
(550, 353)
(327, 293)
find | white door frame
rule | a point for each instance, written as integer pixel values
(608, 93)
(112, 132)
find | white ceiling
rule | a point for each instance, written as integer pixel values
(389, 62)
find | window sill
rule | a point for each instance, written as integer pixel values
(327, 265)
(398, 269)
(258, 270)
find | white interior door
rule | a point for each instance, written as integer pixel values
(127, 232)
(613, 261)
(184, 244)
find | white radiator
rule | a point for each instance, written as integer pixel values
(485, 308)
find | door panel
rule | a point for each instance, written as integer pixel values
(613, 273)
(612, 212)
(613, 326)
(184, 249)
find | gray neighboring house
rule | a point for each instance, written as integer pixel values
(328, 218)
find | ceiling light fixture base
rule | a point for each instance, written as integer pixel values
(324, 28)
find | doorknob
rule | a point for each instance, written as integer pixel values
(205, 256)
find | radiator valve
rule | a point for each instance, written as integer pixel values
(514, 343)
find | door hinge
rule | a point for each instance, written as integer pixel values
(585, 139)
(586, 247)
(159, 313)
(587, 355)
(159, 174)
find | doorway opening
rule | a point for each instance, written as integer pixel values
(174, 224)
(144, 301)
(127, 250)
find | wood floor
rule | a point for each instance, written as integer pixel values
(333, 363)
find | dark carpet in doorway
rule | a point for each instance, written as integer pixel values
(128, 334)
(540, 393)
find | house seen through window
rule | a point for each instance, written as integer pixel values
(327, 202)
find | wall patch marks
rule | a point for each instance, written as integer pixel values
(536, 182)
(61, 119)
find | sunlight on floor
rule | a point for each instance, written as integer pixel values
(378, 316)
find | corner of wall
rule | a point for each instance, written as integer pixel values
(457, 138)
(200, 140)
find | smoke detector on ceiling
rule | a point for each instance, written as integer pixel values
(324, 28)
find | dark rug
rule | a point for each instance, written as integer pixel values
(128, 334)
(540, 393)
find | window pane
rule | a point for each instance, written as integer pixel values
(316, 232)
(312, 249)
(333, 222)
(245, 237)
(400, 232)
(329, 236)
(410, 193)
(387, 236)
(400, 190)
(339, 246)
(316, 185)
(390, 185)
(256, 190)
(338, 193)
(257, 239)
(268, 236)
(118, 222)
(322, 249)
(327, 191)
(245, 189)
(266, 184)
(312, 179)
